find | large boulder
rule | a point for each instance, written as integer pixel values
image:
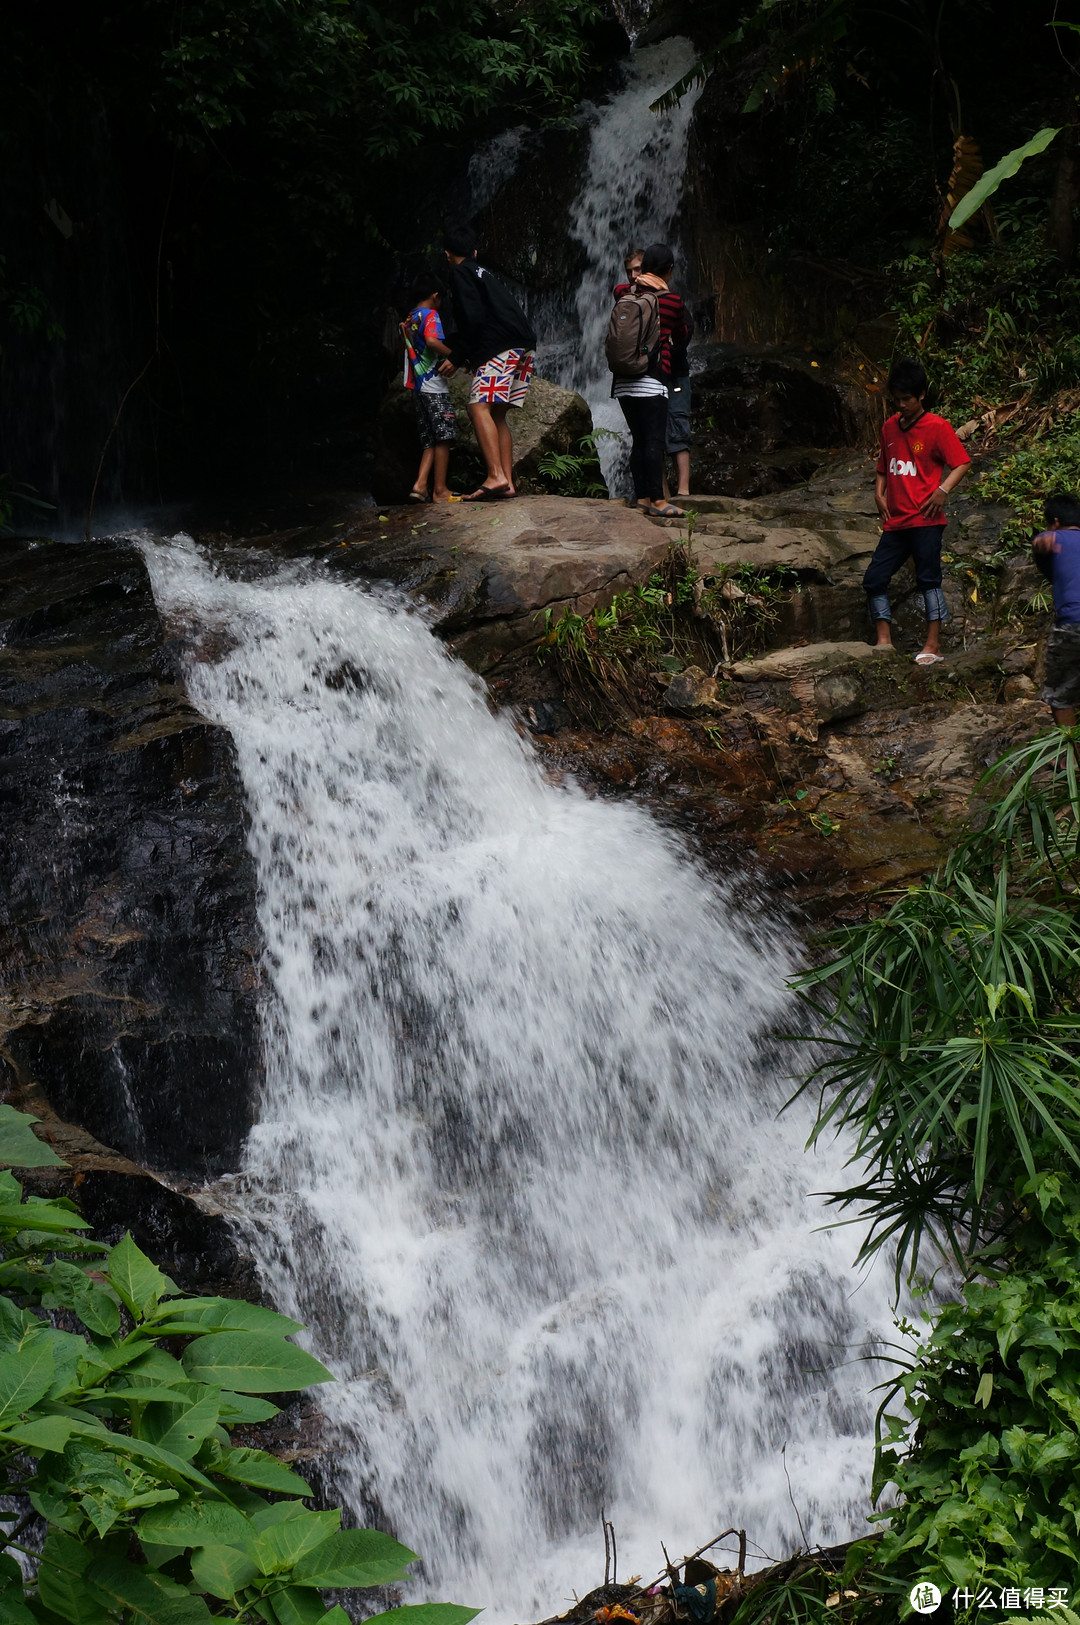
(129, 945)
(764, 420)
(552, 419)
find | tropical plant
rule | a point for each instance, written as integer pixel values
(988, 183)
(986, 1454)
(950, 1027)
(117, 1396)
(951, 1032)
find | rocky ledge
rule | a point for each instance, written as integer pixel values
(832, 769)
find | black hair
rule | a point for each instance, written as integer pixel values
(908, 378)
(1063, 507)
(423, 287)
(657, 260)
(460, 240)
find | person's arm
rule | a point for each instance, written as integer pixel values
(1043, 548)
(881, 496)
(934, 506)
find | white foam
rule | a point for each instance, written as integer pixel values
(517, 1164)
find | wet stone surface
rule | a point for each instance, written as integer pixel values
(129, 944)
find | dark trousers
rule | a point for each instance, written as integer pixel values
(646, 418)
(920, 543)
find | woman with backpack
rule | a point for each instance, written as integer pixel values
(648, 325)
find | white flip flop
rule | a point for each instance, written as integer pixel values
(925, 659)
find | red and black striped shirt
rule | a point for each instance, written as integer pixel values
(676, 328)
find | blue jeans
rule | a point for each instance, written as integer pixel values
(922, 544)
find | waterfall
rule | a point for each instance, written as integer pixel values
(517, 1163)
(629, 198)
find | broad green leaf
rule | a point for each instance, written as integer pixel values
(267, 1515)
(246, 1408)
(261, 1470)
(69, 1288)
(297, 1606)
(336, 1616)
(189, 1430)
(283, 1544)
(354, 1557)
(427, 1613)
(252, 1363)
(25, 1377)
(988, 183)
(43, 1433)
(150, 1598)
(222, 1570)
(14, 1324)
(154, 1365)
(20, 1146)
(40, 1218)
(196, 1523)
(139, 1282)
(60, 1581)
(227, 1314)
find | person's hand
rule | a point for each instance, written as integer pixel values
(934, 505)
(883, 510)
(1046, 542)
(447, 368)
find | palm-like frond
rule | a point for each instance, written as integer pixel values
(949, 1027)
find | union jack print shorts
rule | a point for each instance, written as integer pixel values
(504, 380)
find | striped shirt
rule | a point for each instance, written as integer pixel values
(676, 331)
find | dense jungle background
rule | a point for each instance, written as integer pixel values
(211, 208)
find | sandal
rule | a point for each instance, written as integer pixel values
(668, 511)
(489, 493)
(418, 496)
(925, 658)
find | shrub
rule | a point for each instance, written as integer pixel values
(116, 1435)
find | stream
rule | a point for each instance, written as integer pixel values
(517, 1164)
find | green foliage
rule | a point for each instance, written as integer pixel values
(1024, 475)
(571, 474)
(950, 1024)
(991, 179)
(673, 620)
(989, 1478)
(952, 1030)
(117, 1436)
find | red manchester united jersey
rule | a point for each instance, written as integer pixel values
(913, 462)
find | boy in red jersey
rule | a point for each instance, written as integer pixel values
(921, 461)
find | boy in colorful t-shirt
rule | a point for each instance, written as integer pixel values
(426, 362)
(921, 461)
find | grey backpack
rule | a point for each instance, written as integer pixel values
(633, 335)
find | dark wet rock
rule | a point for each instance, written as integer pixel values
(129, 944)
(548, 716)
(691, 690)
(764, 420)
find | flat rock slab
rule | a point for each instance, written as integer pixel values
(810, 661)
(490, 569)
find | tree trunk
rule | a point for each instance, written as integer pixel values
(1062, 223)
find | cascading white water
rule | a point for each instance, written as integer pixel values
(630, 197)
(517, 1164)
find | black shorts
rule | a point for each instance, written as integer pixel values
(678, 416)
(1061, 690)
(435, 419)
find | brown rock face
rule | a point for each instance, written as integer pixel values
(490, 570)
